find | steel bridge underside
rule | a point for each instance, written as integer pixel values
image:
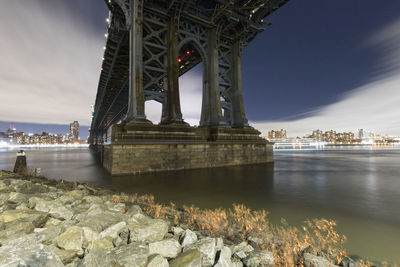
(234, 20)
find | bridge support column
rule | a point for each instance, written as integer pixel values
(239, 119)
(211, 113)
(172, 107)
(135, 113)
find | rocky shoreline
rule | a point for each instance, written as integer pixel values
(55, 223)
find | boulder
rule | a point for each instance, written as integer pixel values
(156, 261)
(56, 209)
(133, 210)
(145, 229)
(207, 247)
(224, 259)
(187, 238)
(26, 251)
(242, 250)
(37, 218)
(66, 256)
(99, 218)
(177, 230)
(113, 231)
(189, 258)
(311, 260)
(169, 248)
(14, 230)
(259, 258)
(96, 258)
(48, 235)
(89, 236)
(93, 199)
(132, 255)
(17, 198)
(71, 239)
(103, 244)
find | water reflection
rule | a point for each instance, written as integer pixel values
(202, 187)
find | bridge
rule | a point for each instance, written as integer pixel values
(150, 43)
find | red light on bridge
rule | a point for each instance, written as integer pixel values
(101, 69)
(179, 60)
(188, 52)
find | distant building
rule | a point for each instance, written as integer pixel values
(74, 130)
(317, 135)
(279, 134)
(361, 133)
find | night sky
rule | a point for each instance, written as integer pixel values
(322, 64)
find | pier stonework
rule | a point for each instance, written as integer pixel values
(153, 148)
(150, 44)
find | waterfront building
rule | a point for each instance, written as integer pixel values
(74, 130)
(278, 134)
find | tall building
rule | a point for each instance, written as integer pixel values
(361, 133)
(74, 130)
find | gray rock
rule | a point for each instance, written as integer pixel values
(348, 262)
(93, 199)
(242, 250)
(224, 258)
(66, 256)
(188, 237)
(26, 251)
(56, 209)
(156, 261)
(311, 260)
(15, 230)
(17, 198)
(102, 244)
(113, 231)
(37, 218)
(89, 236)
(219, 243)
(99, 218)
(145, 229)
(207, 247)
(48, 235)
(190, 258)
(177, 230)
(77, 194)
(132, 255)
(259, 258)
(97, 258)
(72, 239)
(133, 210)
(169, 248)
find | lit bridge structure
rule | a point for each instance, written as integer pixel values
(150, 43)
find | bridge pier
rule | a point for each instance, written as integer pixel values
(138, 148)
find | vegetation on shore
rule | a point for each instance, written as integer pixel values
(287, 243)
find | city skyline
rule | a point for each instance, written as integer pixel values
(359, 76)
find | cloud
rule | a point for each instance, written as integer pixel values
(373, 107)
(49, 65)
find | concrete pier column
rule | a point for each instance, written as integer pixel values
(172, 107)
(135, 113)
(239, 119)
(211, 106)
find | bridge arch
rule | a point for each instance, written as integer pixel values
(196, 45)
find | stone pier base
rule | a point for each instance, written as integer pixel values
(140, 149)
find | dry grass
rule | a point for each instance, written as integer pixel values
(288, 243)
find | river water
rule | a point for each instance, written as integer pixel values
(358, 187)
